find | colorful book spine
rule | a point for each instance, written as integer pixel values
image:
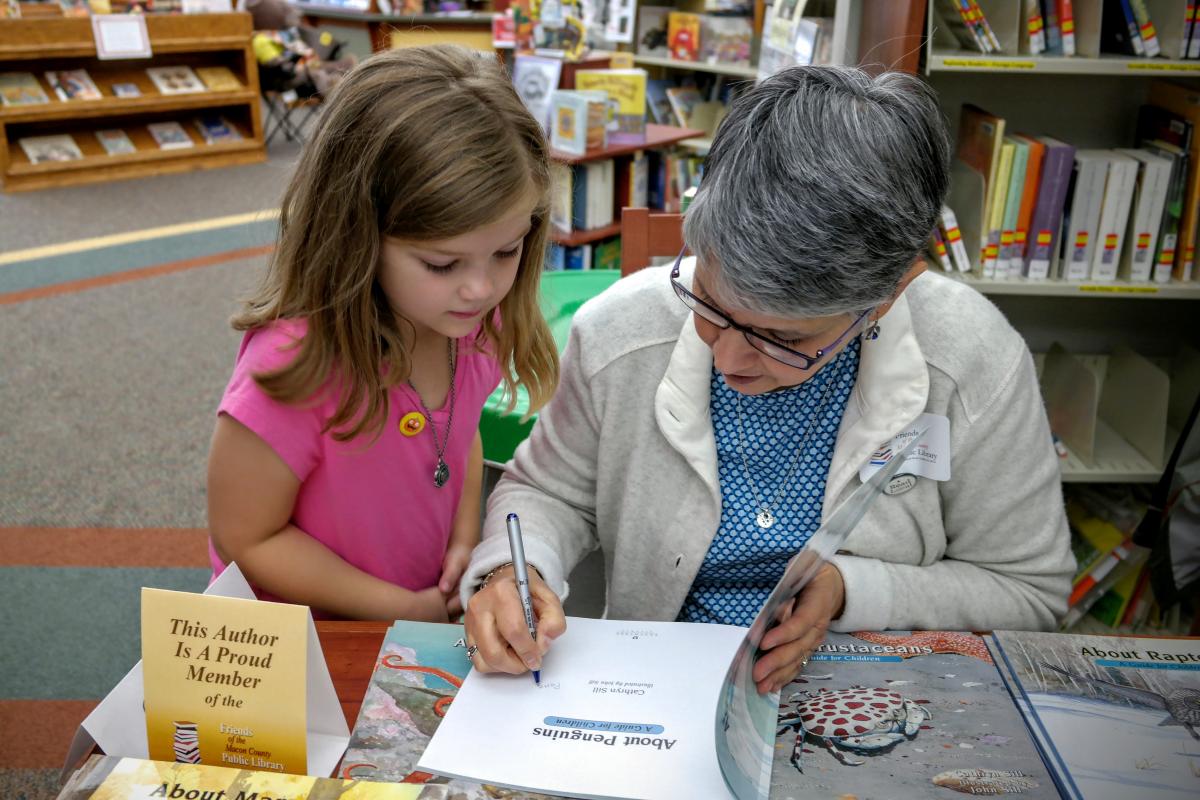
(985, 27)
(937, 245)
(1145, 28)
(998, 192)
(1066, 24)
(1035, 27)
(1033, 176)
(1189, 19)
(958, 249)
(1193, 50)
(1134, 41)
(1010, 262)
(1046, 221)
(1053, 32)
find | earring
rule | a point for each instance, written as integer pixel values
(872, 331)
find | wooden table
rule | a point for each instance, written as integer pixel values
(350, 650)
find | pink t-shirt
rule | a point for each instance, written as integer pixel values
(373, 503)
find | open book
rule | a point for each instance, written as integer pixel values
(638, 709)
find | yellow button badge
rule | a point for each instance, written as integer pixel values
(412, 423)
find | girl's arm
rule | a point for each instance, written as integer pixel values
(464, 535)
(251, 495)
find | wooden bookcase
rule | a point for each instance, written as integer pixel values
(65, 43)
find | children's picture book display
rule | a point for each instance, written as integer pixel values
(170, 135)
(21, 89)
(218, 79)
(175, 80)
(73, 84)
(115, 142)
(126, 90)
(43, 149)
(216, 129)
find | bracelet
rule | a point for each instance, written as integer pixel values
(488, 577)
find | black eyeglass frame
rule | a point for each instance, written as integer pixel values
(784, 355)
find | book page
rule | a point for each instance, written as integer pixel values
(625, 709)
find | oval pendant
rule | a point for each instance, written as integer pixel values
(765, 519)
(441, 474)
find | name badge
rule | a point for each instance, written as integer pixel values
(930, 458)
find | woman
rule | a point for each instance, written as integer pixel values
(711, 414)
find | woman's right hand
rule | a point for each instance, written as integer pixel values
(496, 624)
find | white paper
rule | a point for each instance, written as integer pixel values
(118, 724)
(625, 709)
(207, 6)
(121, 36)
(929, 459)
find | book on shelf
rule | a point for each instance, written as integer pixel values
(535, 78)
(1184, 102)
(1054, 44)
(1149, 204)
(74, 8)
(683, 36)
(1119, 29)
(1066, 26)
(657, 103)
(683, 99)
(1114, 216)
(120, 778)
(1114, 716)
(72, 84)
(1193, 46)
(175, 80)
(960, 20)
(115, 141)
(1169, 228)
(606, 254)
(170, 135)
(579, 121)
(21, 89)
(44, 149)
(626, 90)
(652, 31)
(996, 204)
(1008, 264)
(937, 248)
(980, 141)
(216, 129)
(219, 79)
(1028, 192)
(953, 236)
(725, 40)
(1035, 27)
(1141, 16)
(126, 90)
(1046, 224)
(10, 9)
(1081, 214)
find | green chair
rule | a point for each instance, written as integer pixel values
(562, 293)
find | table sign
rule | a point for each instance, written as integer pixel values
(222, 676)
(121, 36)
(118, 724)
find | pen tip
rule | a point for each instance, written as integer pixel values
(511, 516)
(537, 677)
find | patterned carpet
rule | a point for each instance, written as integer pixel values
(116, 350)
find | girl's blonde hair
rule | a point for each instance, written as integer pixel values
(418, 143)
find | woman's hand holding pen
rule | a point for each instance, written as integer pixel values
(788, 645)
(495, 624)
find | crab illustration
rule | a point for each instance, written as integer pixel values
(861, 720)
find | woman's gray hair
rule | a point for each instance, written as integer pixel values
(822, 186)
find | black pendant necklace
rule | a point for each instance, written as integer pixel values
(441, 473)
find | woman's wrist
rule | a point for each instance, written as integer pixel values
(497, 571)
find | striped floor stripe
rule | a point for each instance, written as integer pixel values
(104, 547)
(66, 267)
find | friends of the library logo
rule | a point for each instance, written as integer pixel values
(187, 743)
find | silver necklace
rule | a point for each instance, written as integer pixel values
(764, 517)
(441, 473)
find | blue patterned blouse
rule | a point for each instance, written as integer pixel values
(744, 561)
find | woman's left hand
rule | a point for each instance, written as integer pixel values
(788, 645)
(453, 567)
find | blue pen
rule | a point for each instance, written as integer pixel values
(518, 556)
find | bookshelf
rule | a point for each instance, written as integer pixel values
(697, 66)
(657, 137)
(1090, 100)
(37, 45)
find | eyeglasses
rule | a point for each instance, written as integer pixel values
(784, 355)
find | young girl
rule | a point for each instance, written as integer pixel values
(346, 464)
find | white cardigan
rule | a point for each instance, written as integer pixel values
(624, 458)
